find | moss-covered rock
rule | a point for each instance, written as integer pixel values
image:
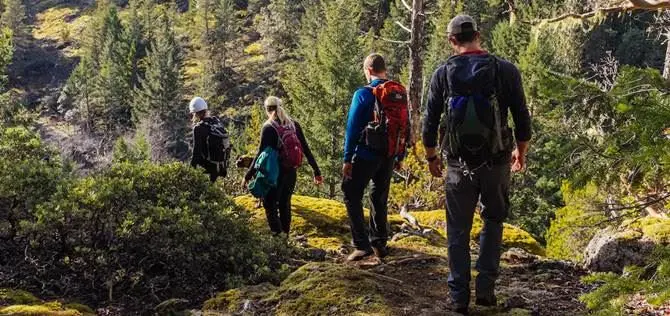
(326, 226)
(45, 309)
(11, 297)
(315, 288)
(631, 243)
(22, 303)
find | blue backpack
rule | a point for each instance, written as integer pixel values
(267, 173)
(474, 127)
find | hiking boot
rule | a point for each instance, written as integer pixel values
(359, 254)
(460, 309)
(486, 301)
(380, 251)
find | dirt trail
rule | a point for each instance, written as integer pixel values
(528, 285)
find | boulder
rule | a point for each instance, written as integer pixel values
(612, 249)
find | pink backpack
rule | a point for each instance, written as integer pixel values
(290, 148)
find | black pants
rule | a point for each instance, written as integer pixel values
(380, 172)
(277, 203)
(488, 184)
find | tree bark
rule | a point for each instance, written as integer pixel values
(416, 66)
(666, 65)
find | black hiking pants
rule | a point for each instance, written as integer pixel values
(380, 172)
(277, 202)
(488, 184)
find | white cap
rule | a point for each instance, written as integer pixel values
(197, 105)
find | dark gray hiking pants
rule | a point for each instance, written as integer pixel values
(490, 185)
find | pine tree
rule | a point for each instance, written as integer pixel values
(321, 85)
(219, 28)
(395, 54)
(111, 95)
(439, 48)
(160, 94)
(14, 17)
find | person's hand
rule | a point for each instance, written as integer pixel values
(347, 170)
(318, 180)
(518, 160)
(245, 182)
(436, 167)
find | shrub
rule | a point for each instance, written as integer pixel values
(150, 232)
(575, 224)
(614, 291)
(29, 174)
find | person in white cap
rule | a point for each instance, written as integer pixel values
(211, 143)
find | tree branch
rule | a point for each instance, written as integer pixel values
(407, 6)
(388, 40)
(629, 5)
(407, 29)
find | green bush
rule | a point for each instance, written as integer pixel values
(575, 224)
(510, 40)
(614, 291)
(144, 231)
(29, 174)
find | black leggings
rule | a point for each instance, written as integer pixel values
(277, 202)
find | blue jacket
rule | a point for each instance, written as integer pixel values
(360, 113)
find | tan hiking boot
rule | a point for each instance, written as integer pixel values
(359, 255)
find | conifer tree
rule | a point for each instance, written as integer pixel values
(111, 95)
(321, 85)
(160, 94)
(439, 48)
(390, 44)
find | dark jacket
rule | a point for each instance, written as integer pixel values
(510, 96)
(200, 150)
(270, 138)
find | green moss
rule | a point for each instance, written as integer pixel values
(10, 297)
(81, 308)
(570, 232)
(233, 300)
(328, 288)
(656, 229)
(331, 288)
(46, 309)
(326, 226)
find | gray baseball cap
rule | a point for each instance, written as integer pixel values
(460, 24)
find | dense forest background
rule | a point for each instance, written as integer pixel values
(94, 118)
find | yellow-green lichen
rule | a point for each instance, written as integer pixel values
(46, 309)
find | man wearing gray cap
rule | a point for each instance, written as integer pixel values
(475, 90)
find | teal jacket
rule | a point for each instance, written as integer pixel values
(267, 175)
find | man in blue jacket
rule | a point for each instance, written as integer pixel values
(362, 165)
(471, 83)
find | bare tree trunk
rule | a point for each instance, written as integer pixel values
(666, 65)
(416, 66)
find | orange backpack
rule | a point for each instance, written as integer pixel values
(389, 131)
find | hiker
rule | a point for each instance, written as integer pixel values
(375, 142)
(211, 143)
(285, 135)
(475, 90)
